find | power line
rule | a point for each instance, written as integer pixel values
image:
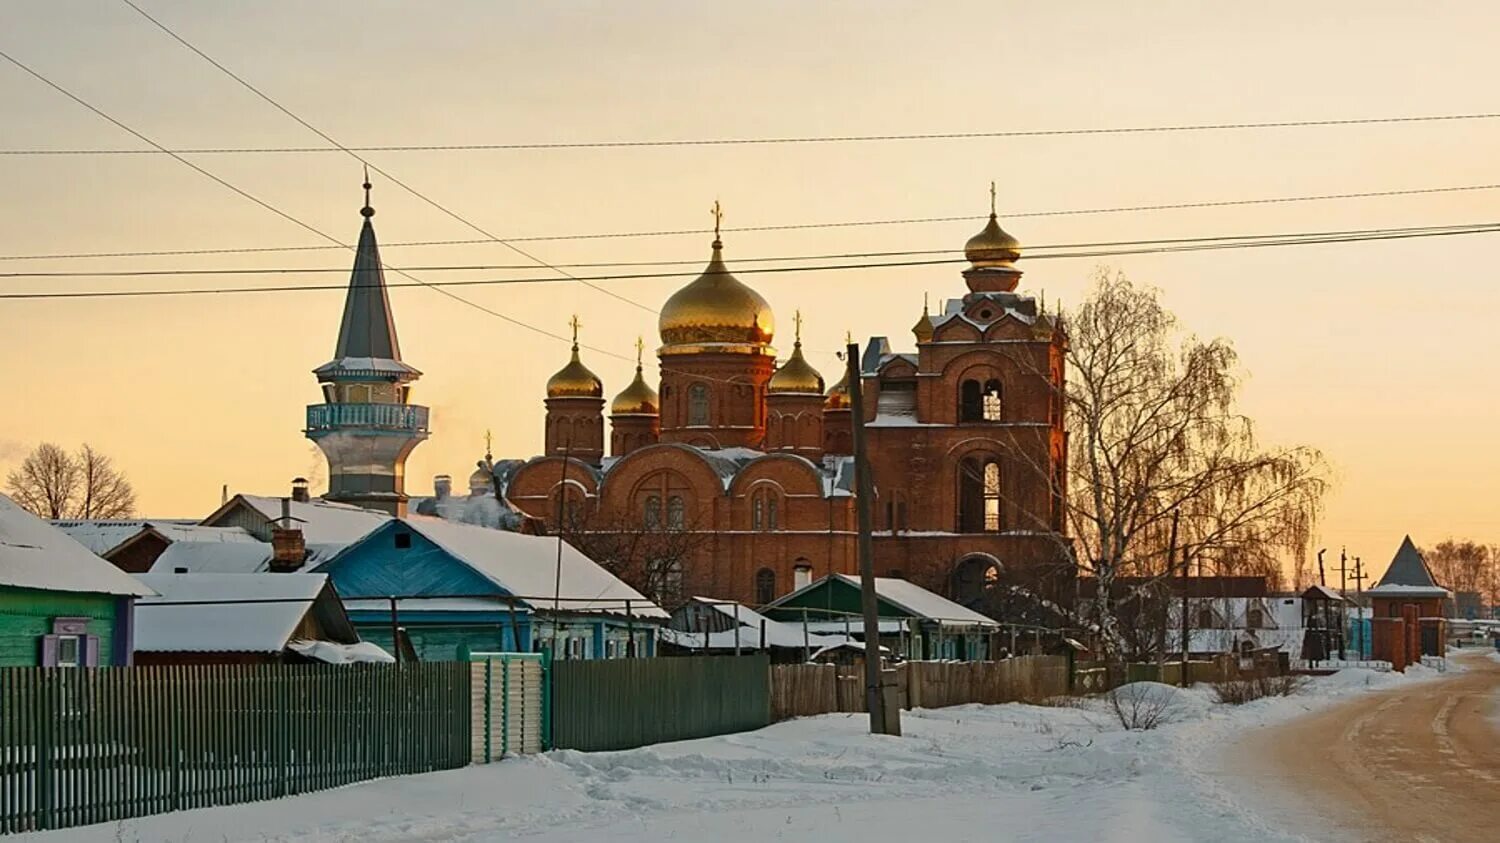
(1217, 245)
(403, 185)
(273, 209)
(1031, 251)
(1174, 206)
(773, 141)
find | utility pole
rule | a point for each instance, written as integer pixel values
(1359, 578)
(1186, 564)
(1321, 579)
(864, 494)
(1343, 601)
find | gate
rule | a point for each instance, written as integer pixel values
(511, 697)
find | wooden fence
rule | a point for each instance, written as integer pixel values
(625, 703)
(799, 690)
(80, 746)
(509, 698)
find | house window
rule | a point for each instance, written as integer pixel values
(403, 541)
(69, 651)
(651, 517)
(991, 401)
(697, 405)
(802, 575)
(675, 513)
(765, 586)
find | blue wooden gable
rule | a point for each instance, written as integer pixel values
(397, 561)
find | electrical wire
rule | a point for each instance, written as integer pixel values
(1216, 245)
(785, 140)
(1175, 206)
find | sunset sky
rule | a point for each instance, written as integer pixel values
(1383, 355)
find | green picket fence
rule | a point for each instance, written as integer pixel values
(624, 703)
(80, 746)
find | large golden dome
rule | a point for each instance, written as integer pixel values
(796, 375)
(638, 399)
(992, 247)
(575, 381)
(716, 313)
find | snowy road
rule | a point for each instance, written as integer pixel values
(1421, 764)
(996, 773)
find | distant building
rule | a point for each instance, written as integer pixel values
(245, 619)
(60, 605)
(458, 589)
(1407, 609)
(718, 627)
(367, 425)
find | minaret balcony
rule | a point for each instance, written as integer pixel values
(395, 418)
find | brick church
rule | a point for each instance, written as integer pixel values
(734, 480)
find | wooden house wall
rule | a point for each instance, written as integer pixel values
(27, 614)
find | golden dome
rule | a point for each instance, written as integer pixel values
(923, 329)
(838, 394)
(575, 380)
(796, 374)
(716, 312)
(638, 399)
(992, 247)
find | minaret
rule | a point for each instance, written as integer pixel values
(367, 425)
(794, 405)
(575, 410)
(635, 414)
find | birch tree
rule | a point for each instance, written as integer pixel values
(52, 483)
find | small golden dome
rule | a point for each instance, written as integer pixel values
(638, 399)
(575, 380)
(717, 311)
(796, 375)
(992, 247)
(923, 329)
(838, 394)
(482, 481)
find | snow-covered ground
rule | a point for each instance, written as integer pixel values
(992, 773)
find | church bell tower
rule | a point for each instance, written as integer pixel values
(367, 425)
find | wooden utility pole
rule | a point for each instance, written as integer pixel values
(864, 495)
(1186, 621)
(1343, 602)
(1359, 579)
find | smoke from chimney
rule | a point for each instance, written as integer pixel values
(442, 486)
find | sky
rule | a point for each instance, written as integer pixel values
(1379, 354)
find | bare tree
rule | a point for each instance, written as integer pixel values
(652, 558)
(52, 483)
(1154, 434)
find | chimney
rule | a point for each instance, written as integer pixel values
(442, 486)
(299, 493)
(288, 547)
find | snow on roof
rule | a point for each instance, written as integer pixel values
(332, 652)
(777, 633)
(101, 536)
(920, 602)
(322, 522)
(1409, 570)
(223, 627)
(200, 533)
(1398, 590)
(35, 554)
(527, 566)
(231, 557)
(1322, 592)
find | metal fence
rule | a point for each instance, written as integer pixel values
(80, 746)
(624, 703)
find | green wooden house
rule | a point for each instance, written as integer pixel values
(60, 605)
(914, 622)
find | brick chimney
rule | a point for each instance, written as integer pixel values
(299, 490)
(288, 547)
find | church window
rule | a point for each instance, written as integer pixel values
(666, 580)
(979, 495)
(675, 513)
(697, 404)
(765, 586)
(801, 574)
(991, 497)
(771, 515)
(973, 577)
(757, 513)
(971, 401)
(991, 401)
(652, 514)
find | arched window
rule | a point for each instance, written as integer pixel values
(973, 577)
(757, 513)
(991, 401)
(697, 404)
(765, 586)
(979, 495)
(971, 402)
(801, 574)
(651, 517)
(1254, 619)
(675, 513)
(771, 514)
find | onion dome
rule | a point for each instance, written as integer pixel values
(923, 329)
(575, 380)
(482, 481)
(992, 247)
(716, 312)
(638, 399)
(796, 374)
(838, 394)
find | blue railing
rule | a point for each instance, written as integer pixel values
(403, 417)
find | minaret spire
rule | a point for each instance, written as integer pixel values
(368, 210)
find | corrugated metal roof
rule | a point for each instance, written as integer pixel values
(35, 554)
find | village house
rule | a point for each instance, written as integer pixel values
(60, 605)
(454, 589)
(245, 619)
(717, 627)
(914, 623)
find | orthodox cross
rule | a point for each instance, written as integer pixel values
(640, 348)
(718, 218)
(488, 445)
(575, 324)
(797, 320)
(992, 199)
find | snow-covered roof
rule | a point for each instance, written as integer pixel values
(332, 652)
(527, 566)
(321, 522)
(777, 633)
(1323, 592)
(101, 536)
(918, 601)
(231, 557)
(223, 627)
(35, 554)
(1409, 576)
